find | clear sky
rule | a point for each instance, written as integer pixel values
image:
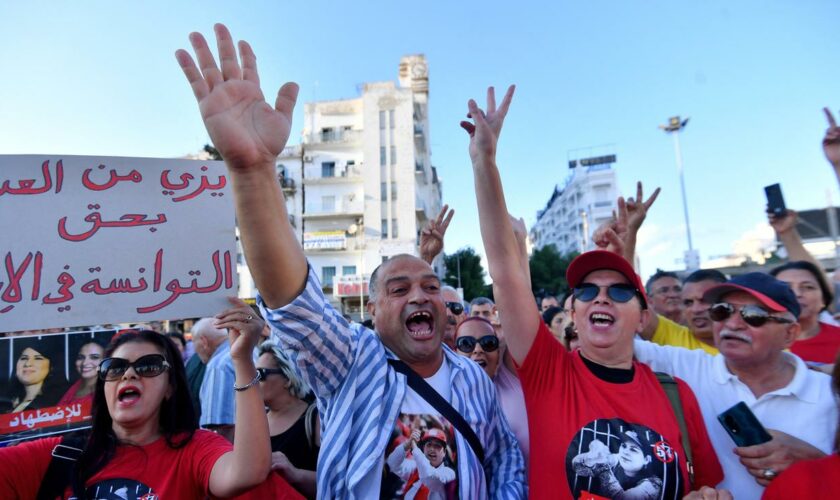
(100, 78)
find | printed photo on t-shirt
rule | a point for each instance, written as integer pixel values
(610, 458)
(120, 489)
(421, 459)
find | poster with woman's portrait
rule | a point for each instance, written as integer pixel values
(47, 382)
(611, 458)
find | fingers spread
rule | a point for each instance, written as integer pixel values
(491, 100)
(503, 109)
(199, 86)
(441, 214)
(227, 54)
(652, 198)
(830, 117)
(469, 127)
(205, 60)
(249, 63)
(286, 99)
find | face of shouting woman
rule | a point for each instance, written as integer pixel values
(32, 367)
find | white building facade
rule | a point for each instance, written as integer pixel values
(360, 186)
(575, 211)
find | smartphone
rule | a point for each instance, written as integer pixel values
(741, 424)
(775, 200)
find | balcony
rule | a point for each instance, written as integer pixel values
(348, 174)
(288, 185)
(333, 137)
(342, 209)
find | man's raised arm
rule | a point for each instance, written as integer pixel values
(519, 315)
(249, 134)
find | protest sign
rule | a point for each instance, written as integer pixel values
(46, 383)
(93, 240)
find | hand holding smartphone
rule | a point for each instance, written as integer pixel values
(775, 200)
(743, 426)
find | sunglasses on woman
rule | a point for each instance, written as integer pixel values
(456, 307)
(488, 343)
(150, 365)
(619, 292)
(752, 314)
(265, 372)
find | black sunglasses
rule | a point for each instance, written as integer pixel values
(456, 307)
(619, 292)
(488, 343)
(150, 365)
(752, 314)
(265, 372)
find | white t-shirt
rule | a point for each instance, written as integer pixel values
(414, 412)
(805, 408)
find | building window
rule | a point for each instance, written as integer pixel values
(351, 167)
(383, 191)
(393, 155)
(327, 275)
(381, 120)
(382, 159)
(394, 233)
(328, 203)
(391, 118)
(327, 134)
(384, 228)
(394, 191)
(348, 270)
(328, 169)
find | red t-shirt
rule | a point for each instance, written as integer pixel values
(594, 439)
(807, 479)
(822, 347)
(151, 471)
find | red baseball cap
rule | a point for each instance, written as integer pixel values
(434, 434)
(595, 260)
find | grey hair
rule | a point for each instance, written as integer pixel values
(204, 328)
(481, 301)
(297, 387)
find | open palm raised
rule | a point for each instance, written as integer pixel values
(244, 128)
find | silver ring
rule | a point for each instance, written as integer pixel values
(769, 473)
(250, 317)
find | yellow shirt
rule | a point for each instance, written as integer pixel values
(671, 333)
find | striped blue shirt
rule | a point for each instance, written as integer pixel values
(218, 401)
(359, 397)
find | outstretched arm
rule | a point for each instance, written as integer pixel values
(249, 134)
(518, 311)
(431, 238)
(785, 228)
(831, 143)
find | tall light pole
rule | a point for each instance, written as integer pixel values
(358, 230)
(692, 258)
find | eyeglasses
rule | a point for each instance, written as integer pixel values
(456, 307)
(752, 315)
(619, 292)
(488, 343)
(150, 365)
(265, 372)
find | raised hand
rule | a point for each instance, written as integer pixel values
(245, 129)
(244, 327)
(783, 223)
(485, 128)
(638, 207)
(831, 141)
(431, 238)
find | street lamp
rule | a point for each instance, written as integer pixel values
(692, 258)
(358, 229)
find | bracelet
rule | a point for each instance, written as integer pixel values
(240, 388)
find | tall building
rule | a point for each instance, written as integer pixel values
(574, 211)
(361, 186)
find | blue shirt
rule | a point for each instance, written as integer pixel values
(359, 397)
(218, 399)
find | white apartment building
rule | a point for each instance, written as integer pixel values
(360, 186)
(574, 211)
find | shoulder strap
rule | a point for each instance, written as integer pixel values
(60, 471)
(673, 392)
(309, 424)
(427, 392)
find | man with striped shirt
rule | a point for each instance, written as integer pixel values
(366, 407)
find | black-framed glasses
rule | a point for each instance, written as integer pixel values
(488, 343)
(265, 372)
(619, 292)
(456, 307)
(150, 365)
(752, 314)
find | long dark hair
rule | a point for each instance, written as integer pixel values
(819, 277)
(53, 385)
(177, 415)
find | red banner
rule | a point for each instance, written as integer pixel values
(50, 416)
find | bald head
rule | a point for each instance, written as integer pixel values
(206, 338)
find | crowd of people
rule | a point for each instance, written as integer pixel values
(615, 388)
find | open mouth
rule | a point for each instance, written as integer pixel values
(419, 325)
(128, 395)
(739, 337)
(601, 319)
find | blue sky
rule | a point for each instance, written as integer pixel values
(100, 78)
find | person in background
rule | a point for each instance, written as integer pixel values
(665, 293)
(180, 343)
(485, 308)
(455, 314)
(37, 382)
(87, 366)
(547, 302)
(293, 421)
